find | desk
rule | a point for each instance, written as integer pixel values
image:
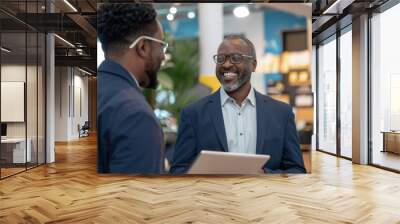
(13, 150)
(391, 141)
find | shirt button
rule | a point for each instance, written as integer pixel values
(241, 134)
(239, 114)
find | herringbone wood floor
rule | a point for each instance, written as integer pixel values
(70, 191)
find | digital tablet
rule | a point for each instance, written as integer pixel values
(215, 162)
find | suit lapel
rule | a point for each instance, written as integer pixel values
(215, 112)
(261, 116)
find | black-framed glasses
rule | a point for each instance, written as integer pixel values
(220, 59)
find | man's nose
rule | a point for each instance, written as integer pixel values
(227, 63)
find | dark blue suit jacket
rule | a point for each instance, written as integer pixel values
(202, 128)
(129, 135)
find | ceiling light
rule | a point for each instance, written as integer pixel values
(65, 41)
(5, 50)
(241, 11)
(84, 71)
(170, 17)
(337, 7)
(173, 10)
(70, 5)
(191, 15)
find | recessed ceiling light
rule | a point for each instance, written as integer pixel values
(65, 41)
(241, 11)
(84, 71)
(170, 17)
(5, 50)
(191, 15)
(173, 10)
(70, 5)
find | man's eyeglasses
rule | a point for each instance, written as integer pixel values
(163, 43)
(220, 59)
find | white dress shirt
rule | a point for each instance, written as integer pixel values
(240, 122)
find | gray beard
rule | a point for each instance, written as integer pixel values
(234, 86)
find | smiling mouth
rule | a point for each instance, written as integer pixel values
(229, 76)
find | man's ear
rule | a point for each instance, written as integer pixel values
(254, 63)
(142, 49)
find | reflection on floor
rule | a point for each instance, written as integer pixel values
(386, 159)
(8, 170)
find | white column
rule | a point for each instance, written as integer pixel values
(210, 36)
(50, 92)
(50, 95)
(360, 90)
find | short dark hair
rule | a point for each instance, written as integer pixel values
(117, 21)
(247, 41)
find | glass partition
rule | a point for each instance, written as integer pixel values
(22, 77)
(385, 89)
(327, 96)
(346, 93)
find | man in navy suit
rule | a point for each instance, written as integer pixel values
(237, 118)
(130, 139)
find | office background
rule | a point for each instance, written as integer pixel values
(281, 34)
(22, 79)
(336, 66)
(48, 87)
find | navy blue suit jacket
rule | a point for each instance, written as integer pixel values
(129, 135)
(202, 128)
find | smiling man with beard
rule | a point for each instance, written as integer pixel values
(129, 135)
(237, 118)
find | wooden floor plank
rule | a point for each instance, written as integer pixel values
(70, 191)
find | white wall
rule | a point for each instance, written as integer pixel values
(61, 103)
(79, 117)
(252, 27)
(70, 83)
(33, 127)
(12, 73)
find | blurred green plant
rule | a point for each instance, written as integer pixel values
(178, 76)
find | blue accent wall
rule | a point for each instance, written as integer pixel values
(274, 23)
(185, 28)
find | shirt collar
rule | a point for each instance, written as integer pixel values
(134, 79)
(225, 97)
